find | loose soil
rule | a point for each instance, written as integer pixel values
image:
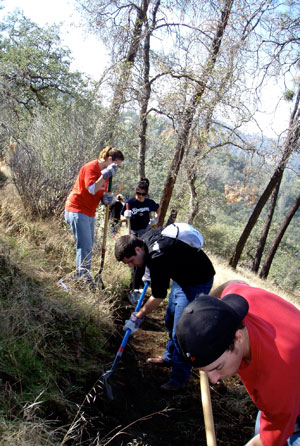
(141, 414)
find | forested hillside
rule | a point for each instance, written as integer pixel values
(55, 347)
(183, 86)
(177, 111)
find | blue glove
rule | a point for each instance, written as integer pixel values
(133, 323)
(110, 171)
(108, 198)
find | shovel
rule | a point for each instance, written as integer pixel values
(132, 296)
(106, 375)
(98, 279)
(128, 220)
(207, 410)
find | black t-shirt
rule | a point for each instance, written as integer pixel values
(169, 258)
(115, 210)
(140, 212)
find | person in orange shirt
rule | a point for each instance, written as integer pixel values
(90, 187)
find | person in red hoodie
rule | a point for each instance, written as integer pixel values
(256, 334)
(90, 187)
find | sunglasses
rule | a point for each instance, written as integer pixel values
(143, 194)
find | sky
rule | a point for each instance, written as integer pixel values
(85, 47)
(274, 114)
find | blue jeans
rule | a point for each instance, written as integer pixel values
(293, 440)
(179, 298)
(83, 228)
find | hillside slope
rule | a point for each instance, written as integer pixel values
(56, 345)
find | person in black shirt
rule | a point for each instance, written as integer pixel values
(191, 272)
(137, 209)
(115, 214)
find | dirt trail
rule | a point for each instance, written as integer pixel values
(141, 414)
(159, 419)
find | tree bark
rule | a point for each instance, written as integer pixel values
(290, 146)
(146, 92)
(268, 261)
(264, 236)
(189, 113)
(194, 203)
(119, 92)
(144, 108)
(172, 217)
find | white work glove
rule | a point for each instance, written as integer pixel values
(128, 213)
(153, 221)
(133, 323)
(146, 277)
(108, 198)
(110, 171)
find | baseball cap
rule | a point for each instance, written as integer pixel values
(207, 326)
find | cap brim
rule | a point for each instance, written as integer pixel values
(238, 304)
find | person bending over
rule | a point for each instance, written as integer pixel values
(255, 334)
(191, 272)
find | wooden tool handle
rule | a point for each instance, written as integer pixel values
(207, 410)
(128, 219)
(105, 230)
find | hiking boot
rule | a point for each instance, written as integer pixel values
(159, 361)
(170, 387)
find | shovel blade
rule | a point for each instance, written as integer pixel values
(107, 386)
(99, 281)
(133, 297)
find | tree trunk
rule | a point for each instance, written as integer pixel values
(119, 92)
(194, 203)
(146, 92)
(144, 108)
(268, 261)
(176, 162)
(172, 217)
(264, 236)
(291, 144)
(189, 113)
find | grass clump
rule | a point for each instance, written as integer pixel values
(52, 343)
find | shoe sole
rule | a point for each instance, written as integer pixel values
(160, 364)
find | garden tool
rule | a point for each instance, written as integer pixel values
(207, 410)
(106, 375)
(133, 295)
(128, 219)
(98, 279)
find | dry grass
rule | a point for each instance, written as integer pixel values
(45, 250)
(34, 432)
(35, 254)
(45, 331)
(225, 273)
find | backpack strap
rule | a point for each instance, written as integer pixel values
(173, 224)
